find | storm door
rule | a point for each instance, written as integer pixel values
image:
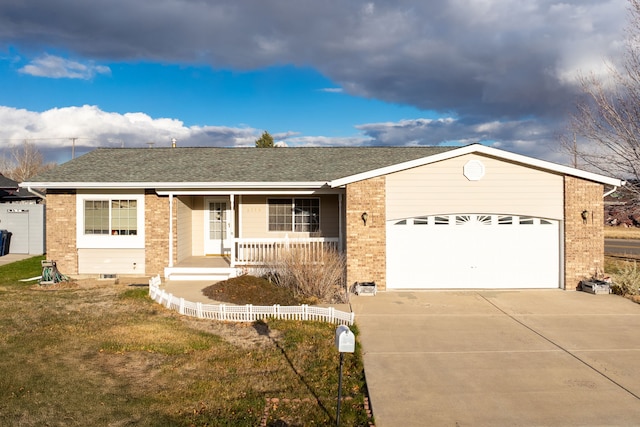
(216, 230)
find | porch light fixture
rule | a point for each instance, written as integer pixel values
(364, 217)
(584, 214)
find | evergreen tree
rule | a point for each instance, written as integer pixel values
(265, 141)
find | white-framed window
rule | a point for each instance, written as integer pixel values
(294, 214)
(118, 217)
(110, 220)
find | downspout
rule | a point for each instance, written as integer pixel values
(42, 196)
(615, 187)
(340, 224)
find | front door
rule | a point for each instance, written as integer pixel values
(217, 227)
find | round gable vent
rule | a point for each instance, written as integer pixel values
(474, 170)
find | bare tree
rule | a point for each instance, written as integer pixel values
(23, 162)
(6, 166)
(604, 130)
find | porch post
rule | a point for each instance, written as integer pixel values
(170, 230)
(232, 261)
(340, 225)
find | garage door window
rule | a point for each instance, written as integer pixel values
(526, 220)
(441, 220)
(478, 219)
(505, 220)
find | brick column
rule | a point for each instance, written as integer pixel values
(156, 229)
(583, 238)
(61, 230)
(366, 244)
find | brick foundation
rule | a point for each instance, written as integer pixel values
(584, 238)
(366, 244)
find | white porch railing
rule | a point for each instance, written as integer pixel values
(246, 313)
(260, 251)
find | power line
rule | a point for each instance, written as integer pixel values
(39, 139)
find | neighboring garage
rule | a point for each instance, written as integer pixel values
(25, 222)
(473, 251)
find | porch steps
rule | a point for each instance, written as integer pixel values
(198, 273)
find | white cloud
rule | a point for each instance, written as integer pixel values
(58, 68)
(53, 130)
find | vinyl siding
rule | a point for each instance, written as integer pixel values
(505, 188)
(197, 226)
(184, 226)
(111, 261)
(254, 217)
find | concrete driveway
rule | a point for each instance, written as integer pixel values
(501, 358)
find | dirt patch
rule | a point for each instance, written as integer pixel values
(251, 290)
(244, 335)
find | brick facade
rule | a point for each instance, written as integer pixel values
(156, 229)
(61, 230)
(584, 238)
(366, 244)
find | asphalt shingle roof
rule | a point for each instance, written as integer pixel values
(205, 164)
(7, 184)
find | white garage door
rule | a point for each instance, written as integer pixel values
(473, 251)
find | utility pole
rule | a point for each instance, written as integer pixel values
(73, 147)
(575, 151)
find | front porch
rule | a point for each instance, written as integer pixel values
(248, 253)
(214, 268)
(218, 236)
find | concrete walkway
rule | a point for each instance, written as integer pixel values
(9, 258)
(492, 358)
(191, 290)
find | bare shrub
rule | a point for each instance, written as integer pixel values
(627, 280)
(318, 278)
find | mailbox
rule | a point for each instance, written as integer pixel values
(345, 340)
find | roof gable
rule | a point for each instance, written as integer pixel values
(7, 184)
(481, 149)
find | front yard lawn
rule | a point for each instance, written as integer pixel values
(98, 353)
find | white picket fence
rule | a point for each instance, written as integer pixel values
(246, 313)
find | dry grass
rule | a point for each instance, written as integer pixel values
(97, 353)
(621, 233)
(320, 278)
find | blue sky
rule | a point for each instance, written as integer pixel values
(278, 99)
(311, 73)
